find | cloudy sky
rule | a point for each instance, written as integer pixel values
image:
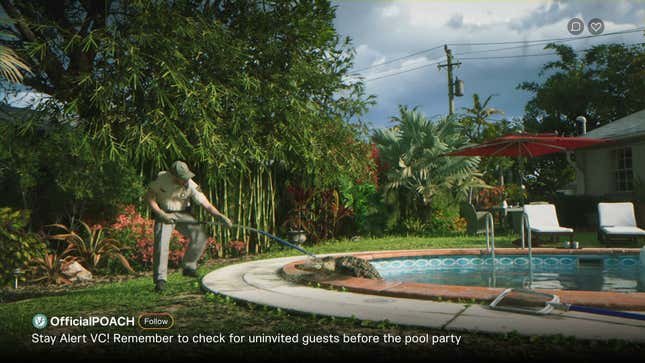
(382, 31)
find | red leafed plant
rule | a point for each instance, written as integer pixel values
(237, 248)
(490, 197)
(131, 226)
(318, 212)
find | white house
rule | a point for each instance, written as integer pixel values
(613, 170)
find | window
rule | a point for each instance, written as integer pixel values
(623, 173)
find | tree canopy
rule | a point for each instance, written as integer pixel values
(242, 90)
(225, 84)
(603, 84)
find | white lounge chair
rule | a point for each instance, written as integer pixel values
(542, 219)
(617, 220)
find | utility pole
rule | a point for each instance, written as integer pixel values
(451, 89)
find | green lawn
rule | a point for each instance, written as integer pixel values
(196, 312)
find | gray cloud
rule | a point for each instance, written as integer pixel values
(382, 31)
(456, 21)
(620, 12)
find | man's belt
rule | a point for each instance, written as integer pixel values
(187, 210)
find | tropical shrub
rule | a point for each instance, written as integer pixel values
(416, 148)
(18, 246)
(91, 246)
(318, 212)
(415, 167)
(514, 193)
(364, 201)
(489, 197)
(236, 248)
(52, 168)
(443, 222)
(49, 267)
(137, 232)
(414, 226)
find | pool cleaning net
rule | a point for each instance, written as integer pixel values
(525, 301)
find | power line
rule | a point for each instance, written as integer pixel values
(404, 71)
(533, 55)
(522, 46)
(502, 49)
(512, 56)
(635, 30)
(479, 58)
(397, 59)
(524, 42)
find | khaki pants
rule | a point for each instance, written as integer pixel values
(194, 232)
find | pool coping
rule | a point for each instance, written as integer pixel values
(426, 291)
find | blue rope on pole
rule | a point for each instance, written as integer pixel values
(264, 233)
(601, 311)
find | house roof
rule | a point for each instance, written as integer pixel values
(627, 127)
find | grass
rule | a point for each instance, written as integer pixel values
(199, 313)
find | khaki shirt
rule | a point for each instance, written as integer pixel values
(172, 197)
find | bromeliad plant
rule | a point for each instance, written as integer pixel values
(91, 246)
(50, 266)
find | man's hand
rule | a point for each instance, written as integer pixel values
(167, 218)
(215, 213)
(226, 221)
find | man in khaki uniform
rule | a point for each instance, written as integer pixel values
(169, 197)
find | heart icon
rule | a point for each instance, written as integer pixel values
(595, 26)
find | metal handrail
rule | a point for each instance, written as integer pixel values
(490, 235)
(527, 224)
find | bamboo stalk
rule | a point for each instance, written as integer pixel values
(249, 209)
(273, 208)
(239, 207)
(226, 235)
(258, 207)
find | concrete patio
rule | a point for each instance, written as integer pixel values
(260, 282)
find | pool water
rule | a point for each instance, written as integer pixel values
(620, 273)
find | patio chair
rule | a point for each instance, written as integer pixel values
(543, 220)
(476, 220)
(617, 221)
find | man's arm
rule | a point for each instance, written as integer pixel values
(214, 211)
(201, 199)
(152, 202)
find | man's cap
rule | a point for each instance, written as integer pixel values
(180, 170)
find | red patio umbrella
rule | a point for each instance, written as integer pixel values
(527, 145)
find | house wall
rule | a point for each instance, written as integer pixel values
(598, 168)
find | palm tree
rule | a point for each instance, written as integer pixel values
(414, 149)
(475, 121)
(11, 66)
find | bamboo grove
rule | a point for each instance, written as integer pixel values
(253, 95)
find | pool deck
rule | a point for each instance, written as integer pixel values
(262, 282)
(426, 291)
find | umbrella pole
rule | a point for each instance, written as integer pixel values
(520, 171)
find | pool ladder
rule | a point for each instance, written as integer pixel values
(490, 246)
(527, 226)
(490, 236)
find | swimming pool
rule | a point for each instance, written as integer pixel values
(594, 272)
